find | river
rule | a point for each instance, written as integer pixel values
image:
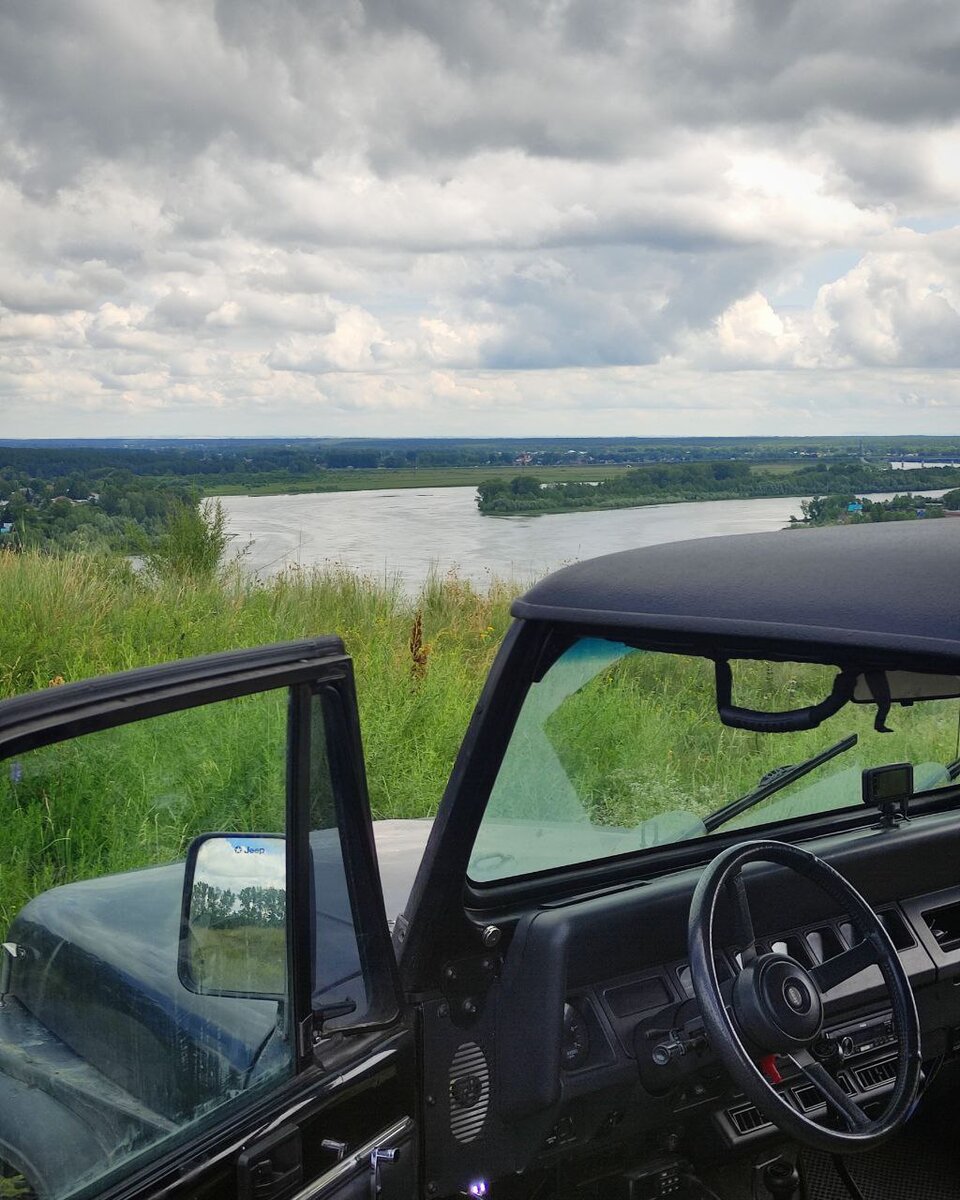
(405, 533)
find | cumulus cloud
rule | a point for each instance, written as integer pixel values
(322, 216)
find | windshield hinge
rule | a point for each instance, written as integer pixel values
(466, 981)
(311, 1028)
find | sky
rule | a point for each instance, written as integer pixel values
(479, 217)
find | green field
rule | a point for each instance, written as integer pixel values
(361, 480)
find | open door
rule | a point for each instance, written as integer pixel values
(197, 988)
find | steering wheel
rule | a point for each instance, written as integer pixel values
(776, 1006)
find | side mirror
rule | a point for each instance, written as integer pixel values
(233, 932)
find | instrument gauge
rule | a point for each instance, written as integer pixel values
(575, 1043)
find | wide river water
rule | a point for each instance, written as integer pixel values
(405, 533)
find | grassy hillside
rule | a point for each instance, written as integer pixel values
(71, 617)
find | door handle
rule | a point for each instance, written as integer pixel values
(376, 1158)
(271, 1168)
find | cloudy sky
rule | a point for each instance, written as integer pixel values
(479, 217)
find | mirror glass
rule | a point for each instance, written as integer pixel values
(235, 918)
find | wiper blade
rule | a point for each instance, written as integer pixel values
(775, 781)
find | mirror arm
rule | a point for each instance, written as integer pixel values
(879, 687)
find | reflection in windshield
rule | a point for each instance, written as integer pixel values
(618, 750)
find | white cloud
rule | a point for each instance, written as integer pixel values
(308, 214)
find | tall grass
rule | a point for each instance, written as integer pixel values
(68, 618)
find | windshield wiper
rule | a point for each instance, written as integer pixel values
(775, 781)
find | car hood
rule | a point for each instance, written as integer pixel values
(97, 966)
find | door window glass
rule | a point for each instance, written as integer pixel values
(105, 1056)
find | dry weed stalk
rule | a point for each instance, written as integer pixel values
(419, 649)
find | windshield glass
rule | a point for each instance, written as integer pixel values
(618, 749)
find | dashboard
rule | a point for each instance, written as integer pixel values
(568, 1042)
(642, 1013)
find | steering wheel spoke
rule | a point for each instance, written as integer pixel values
(830, 1091)
(743, 920)
(845, 965)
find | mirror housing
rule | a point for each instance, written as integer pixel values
(233, 928)
(907, 686)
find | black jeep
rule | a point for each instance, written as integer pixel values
(687, 921)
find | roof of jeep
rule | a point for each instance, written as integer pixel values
(893, 586)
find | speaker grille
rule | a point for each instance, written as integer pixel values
(469, 1092)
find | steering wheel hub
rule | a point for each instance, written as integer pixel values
(777, 1004)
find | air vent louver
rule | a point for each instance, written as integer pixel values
(747, 1119)
(877, 1073)
(807, 1097)
(469, 1092)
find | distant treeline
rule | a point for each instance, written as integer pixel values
(244, 460)
(701, 481)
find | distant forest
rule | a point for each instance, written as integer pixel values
(250, 458)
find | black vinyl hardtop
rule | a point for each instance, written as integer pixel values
(890, 587)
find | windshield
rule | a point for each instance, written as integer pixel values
(618, 749)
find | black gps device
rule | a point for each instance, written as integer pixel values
(889, 789)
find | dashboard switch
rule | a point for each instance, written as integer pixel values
(665, 1176)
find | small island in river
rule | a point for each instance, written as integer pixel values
(663, 483)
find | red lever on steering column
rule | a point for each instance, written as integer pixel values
(768, 1065)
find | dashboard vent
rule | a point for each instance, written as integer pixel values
(469, 1092)
(877, 1073)
(747, 1119)
(808, 1098)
